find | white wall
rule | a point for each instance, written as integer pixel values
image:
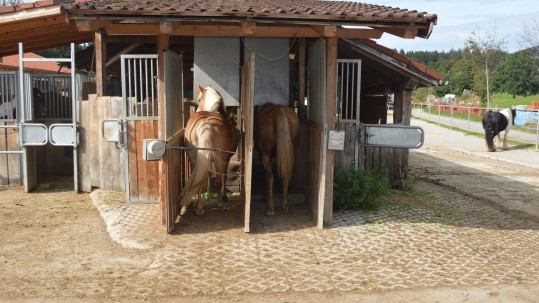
(217, 63)
(271, 77)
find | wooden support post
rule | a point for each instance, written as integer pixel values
(302, 109)
(402, 107)
(162, 46)
(331, 94)
(402, 115)
(100, 46)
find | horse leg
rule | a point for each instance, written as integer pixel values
(504, 146)
(285, 198)
(266, 162)
(221, 173)
(497, 141)
(200, 206)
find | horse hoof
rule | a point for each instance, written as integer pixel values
(285, 210)
(200, 212)
(270, 213)
(183, 210)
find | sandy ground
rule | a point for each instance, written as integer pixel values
(468, 232)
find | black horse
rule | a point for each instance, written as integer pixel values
(496, 122)
(39, 108)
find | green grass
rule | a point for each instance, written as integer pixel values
(506, 100)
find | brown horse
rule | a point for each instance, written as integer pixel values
(277, 134)
(213, 139)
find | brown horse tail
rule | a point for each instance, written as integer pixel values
(202, 165)
(285, 149)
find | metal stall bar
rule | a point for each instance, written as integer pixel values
(138, 85)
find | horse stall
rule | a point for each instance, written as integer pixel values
(133, 140)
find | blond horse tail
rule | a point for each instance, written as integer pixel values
(285, 149)
(199, 174)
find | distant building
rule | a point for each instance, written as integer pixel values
(11, 63)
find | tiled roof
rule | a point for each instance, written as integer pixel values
(12, 62)
(282, 7)
(25, 5)
(406, 60)
(343, 11)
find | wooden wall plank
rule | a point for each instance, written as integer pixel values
(314, 166)
(83, 148)
(148, 171)
(94, 141)
(9, 163)
(100, 46)
(132, 160)
(111, 164)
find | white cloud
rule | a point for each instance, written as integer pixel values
(457, 19)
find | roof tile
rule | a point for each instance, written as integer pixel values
(336, 9)
(48, 66)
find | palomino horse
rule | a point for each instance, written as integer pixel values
(496, 122)
(213, 139)
(277, 134)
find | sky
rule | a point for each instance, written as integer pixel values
(457, 19)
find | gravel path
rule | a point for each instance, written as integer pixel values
(467, 231)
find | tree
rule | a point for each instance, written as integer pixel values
(530, 38)
(516, 75)
(9, 2)
(460, 76)
(485, 50)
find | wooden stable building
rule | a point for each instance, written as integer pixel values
(316, 56)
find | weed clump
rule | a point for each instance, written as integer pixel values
(354, 189)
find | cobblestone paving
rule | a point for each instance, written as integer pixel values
(436, 239)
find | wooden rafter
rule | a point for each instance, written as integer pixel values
(32, 24)
(41, 44)
(247, 29)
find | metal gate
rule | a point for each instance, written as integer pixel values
(19, 104)
(348, 107)
(140, 121)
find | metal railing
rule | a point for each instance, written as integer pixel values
(8, 96)
(139, 85)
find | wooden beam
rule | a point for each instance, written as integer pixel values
(88, 25)
(302, 80)
(403, 32)
(325, 30)
(32, 13)
(25, 32)
(100, 62)
(401, 115)
(248, 28)
(42, 22)
(162, 46)
(44, 38)
(33, 44)
(168, 27)
(331, 103)
(126, 50)
(243, 30)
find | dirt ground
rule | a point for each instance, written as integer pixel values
(467, 231)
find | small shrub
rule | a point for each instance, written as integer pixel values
(353, 189)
